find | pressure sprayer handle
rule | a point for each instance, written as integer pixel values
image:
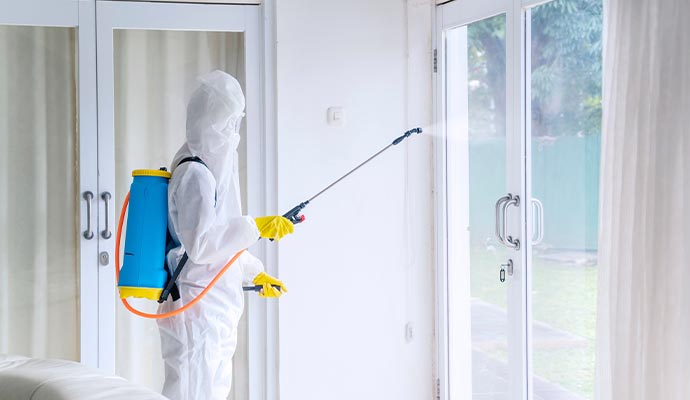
(294, 216)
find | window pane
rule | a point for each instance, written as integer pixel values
(565, 139)
(486, 88)
(476, 129)
(39, 201)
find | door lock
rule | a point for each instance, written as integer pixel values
(507, 267)
(104, 258)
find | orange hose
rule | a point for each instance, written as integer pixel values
(174, 312)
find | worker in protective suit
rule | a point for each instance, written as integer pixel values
(205, 220)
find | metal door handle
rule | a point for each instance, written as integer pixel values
(511, 242)
(88, 233)
(539, 218)
(499, 234)
(106, 234)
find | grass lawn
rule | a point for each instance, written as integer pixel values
(563, 297)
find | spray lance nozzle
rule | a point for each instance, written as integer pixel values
(406, 135)
(294, 214)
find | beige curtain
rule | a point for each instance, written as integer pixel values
(643, 330)
(39, 257)
(155, 74)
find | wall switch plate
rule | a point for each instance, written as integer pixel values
(335, 116)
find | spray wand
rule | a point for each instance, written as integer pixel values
(294, 214)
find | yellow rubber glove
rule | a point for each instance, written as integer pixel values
(274, 227)
(268, 282)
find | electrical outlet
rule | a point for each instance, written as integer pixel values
(409, 332)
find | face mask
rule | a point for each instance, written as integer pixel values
(238, 122)
(234, 140)
(232, 126)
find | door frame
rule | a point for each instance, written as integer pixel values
(260, 144)
(56, 13)
(451, 15)
(82, 16)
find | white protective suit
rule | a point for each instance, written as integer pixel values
(198, 344)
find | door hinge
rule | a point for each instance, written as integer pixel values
(435, 60)
(438, 386)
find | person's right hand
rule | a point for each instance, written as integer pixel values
(274, 227)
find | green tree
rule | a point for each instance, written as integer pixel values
(566, 45)
(487, 76)
(566, 68)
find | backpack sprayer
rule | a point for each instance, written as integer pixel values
(144, 273)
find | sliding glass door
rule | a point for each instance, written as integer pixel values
(485, 279)
(519, 106)
(48, 181)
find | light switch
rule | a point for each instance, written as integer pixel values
(336, 116)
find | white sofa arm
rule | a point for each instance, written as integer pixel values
(24, 378)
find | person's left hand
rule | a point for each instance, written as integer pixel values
(268, 282)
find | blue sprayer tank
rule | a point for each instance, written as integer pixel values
(143, 272)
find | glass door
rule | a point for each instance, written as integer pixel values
(563, 47)
(48, 181)
(485, 306)
(519, 105)
(148, 60)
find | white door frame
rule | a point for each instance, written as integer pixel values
(81, 15)
(56, 13)
(448, 16)
(191, 17)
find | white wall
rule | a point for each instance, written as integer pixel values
(360, 269)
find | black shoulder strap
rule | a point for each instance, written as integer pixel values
(171, 285)
(196, 159)
(192, 159)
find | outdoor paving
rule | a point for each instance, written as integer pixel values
(490, 382)
(587, 258)
(490, 374)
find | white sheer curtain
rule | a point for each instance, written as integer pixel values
(39, 257)
(644, 289)
(155, 74)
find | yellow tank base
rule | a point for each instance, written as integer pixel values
(140, 292)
